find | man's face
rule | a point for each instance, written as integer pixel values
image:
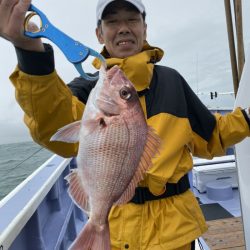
(123, 32)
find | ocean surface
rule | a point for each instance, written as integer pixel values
(18, 161)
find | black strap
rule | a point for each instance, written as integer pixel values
(193, 245)
(142, 194)
(142, 92)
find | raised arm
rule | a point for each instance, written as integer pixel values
(47, 102)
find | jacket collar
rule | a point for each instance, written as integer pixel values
(138, 68)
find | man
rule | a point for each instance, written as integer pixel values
(166, 214)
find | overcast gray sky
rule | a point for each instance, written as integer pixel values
(192, 33)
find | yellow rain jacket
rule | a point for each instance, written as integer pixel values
(184, 124)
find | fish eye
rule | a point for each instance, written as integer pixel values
(125, 93)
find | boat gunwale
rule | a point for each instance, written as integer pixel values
(11, 225)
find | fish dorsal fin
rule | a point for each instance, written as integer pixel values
(151, 148)
(77, 192)
(68, 133)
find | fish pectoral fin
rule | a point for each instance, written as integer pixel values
(77, 192)
(68, 133)
(151, 148)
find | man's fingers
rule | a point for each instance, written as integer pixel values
(6, 7)
(20, 9)
(12, 15)
(19, 12)
(32, 27)
(25, 4)
(8, 3)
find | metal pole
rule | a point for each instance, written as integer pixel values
(232, 45)
(239, 32)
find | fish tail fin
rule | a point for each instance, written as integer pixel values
(92, 238)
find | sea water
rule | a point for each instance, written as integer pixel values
(17, 162)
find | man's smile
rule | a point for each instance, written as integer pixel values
(125, 42)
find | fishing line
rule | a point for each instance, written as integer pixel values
(15, 167)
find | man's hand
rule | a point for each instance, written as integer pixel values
(12, 16)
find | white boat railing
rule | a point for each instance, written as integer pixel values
(17, 208)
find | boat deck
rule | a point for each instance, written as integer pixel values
(225, 229)
(225, 234)
(223, 217)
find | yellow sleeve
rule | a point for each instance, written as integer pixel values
(229, 130)
(48, 105)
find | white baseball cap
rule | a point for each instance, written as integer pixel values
(102, 4)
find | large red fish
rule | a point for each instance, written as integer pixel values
(115, 150)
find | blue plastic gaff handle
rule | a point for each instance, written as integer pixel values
(74, 51)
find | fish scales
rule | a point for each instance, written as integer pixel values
(105, 158)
